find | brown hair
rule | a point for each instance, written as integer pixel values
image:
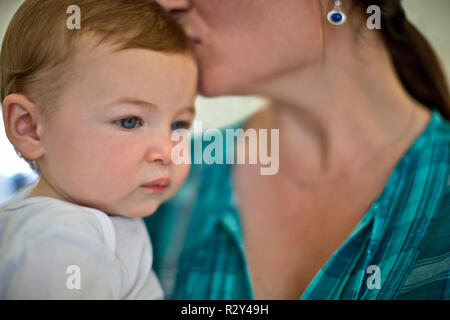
(38, 45)
(415, 61)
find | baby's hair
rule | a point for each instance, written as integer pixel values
(38, 47)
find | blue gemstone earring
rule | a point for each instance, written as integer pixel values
(336, 16)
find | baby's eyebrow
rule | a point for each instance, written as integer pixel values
(134, 101)
(189, 109)
(146, 104)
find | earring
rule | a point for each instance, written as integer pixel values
(336, 16)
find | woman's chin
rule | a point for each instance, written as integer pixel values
(212, 87)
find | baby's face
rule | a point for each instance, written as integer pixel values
(112, 133)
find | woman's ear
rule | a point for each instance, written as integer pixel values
(21, 125)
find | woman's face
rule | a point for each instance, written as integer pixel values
(243, 45)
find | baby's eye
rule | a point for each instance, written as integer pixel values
(181, 125)
(128, 123)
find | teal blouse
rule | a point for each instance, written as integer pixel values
(405, 234)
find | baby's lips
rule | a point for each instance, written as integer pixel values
(162, 182)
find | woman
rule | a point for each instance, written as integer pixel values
(360, 206)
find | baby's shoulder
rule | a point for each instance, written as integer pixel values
(42, 240)
(28, 219)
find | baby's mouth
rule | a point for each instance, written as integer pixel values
(157, 185)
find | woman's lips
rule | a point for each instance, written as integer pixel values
(157, 185)
(193, 42)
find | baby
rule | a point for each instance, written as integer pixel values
(93, 109)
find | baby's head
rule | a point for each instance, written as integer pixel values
(95, 107)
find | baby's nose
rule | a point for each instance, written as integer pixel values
(160, 151)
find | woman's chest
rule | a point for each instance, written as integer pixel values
(289, 235)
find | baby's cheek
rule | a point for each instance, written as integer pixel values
(111, 178)
(179, 174)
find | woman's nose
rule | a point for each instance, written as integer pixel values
(176, 7)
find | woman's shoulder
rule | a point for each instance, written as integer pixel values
(430, 272)
(442, 126)
(424, 171)
(432, 147)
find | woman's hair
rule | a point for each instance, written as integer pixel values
(38, 47)
(414, 59)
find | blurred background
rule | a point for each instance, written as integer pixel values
(430, 16)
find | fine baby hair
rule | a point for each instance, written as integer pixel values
(38, 47)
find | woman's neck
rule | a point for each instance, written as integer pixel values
(341, 112)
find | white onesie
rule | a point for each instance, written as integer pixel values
(53, 249)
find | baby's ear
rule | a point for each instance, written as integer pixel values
(21, 125)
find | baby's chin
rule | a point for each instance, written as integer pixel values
(135, 205)
(138, 212)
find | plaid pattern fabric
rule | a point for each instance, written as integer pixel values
(198, 242)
